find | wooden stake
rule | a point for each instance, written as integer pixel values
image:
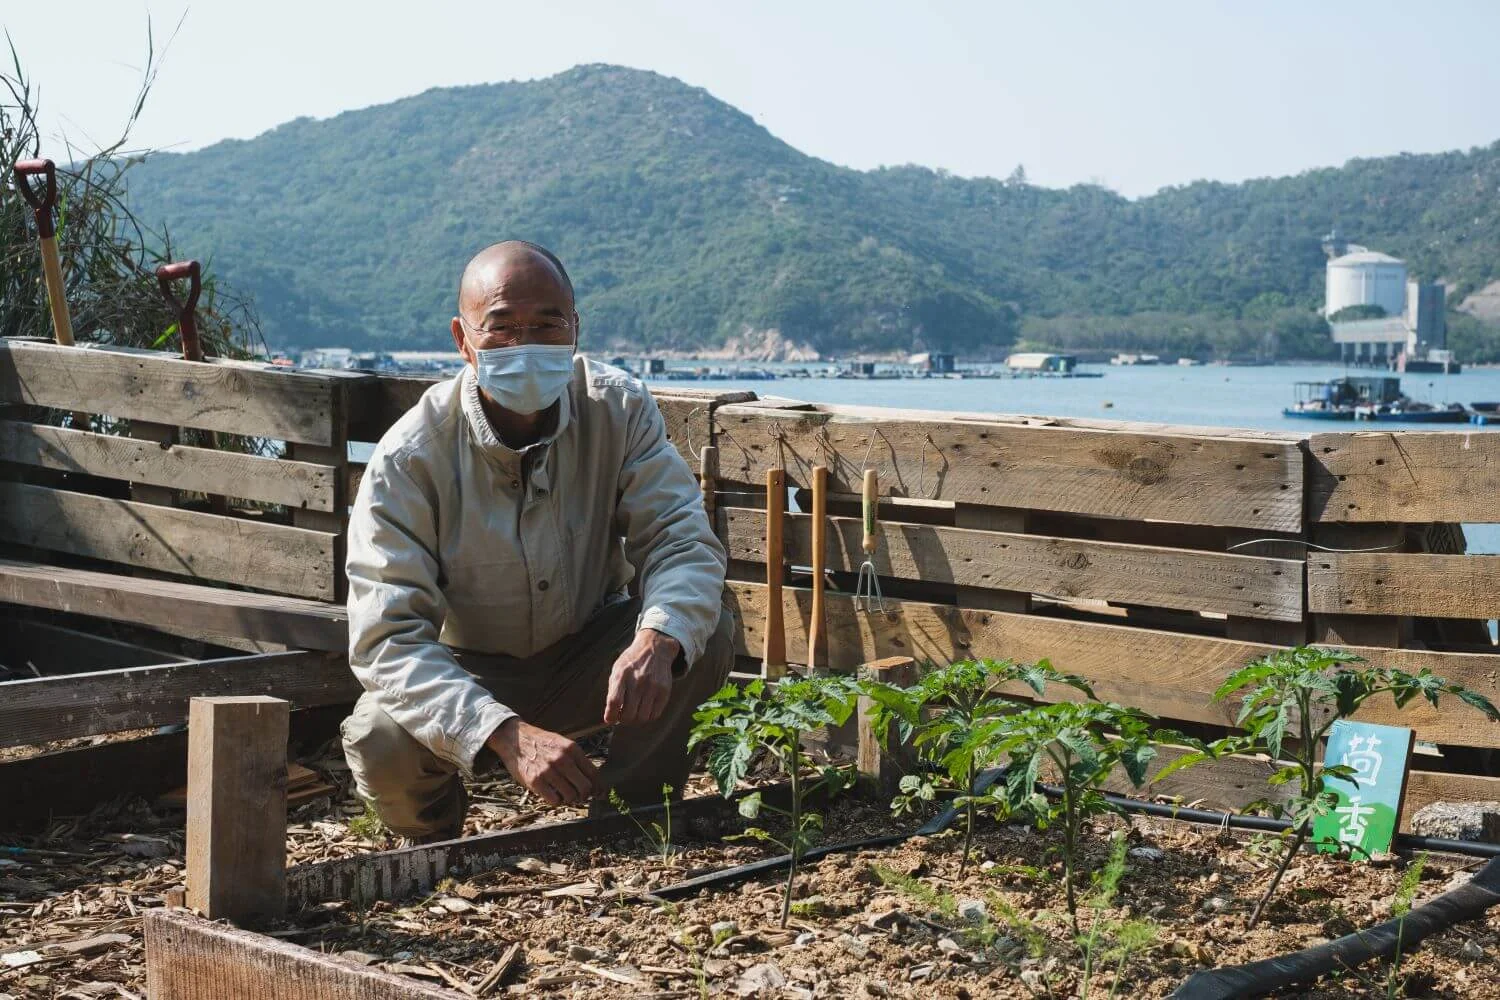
(880, 770)
(815, 633)
(236, 820)
(773, 659)
(708, 477)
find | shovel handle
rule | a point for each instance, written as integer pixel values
(187, 322)
(774, 654)
(42, 198)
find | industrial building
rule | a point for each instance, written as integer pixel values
(1379, 316)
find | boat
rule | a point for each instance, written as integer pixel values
(1333, 400)
(1408, 411)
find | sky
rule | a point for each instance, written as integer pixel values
(1132, 94)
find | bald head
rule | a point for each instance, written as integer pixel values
(514, 269)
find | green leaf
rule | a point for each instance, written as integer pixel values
(749, 806)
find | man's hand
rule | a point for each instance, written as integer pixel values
(547, 763)
(641, 680)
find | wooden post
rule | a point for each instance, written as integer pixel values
(708, 478)
(1360, 630)
(1276, 633)
(881, 769)
(236, 817)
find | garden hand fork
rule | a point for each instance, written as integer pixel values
(867, 596)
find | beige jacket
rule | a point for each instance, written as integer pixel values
(457, 541)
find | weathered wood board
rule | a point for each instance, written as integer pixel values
(55, 708)
(1411, 476)
(248, 552)
(1058, 567)
(1165, 477)
(1406, 583)
(189, 958)
(238, 398)
(167, 605)
(1169, 674)
(202, 470)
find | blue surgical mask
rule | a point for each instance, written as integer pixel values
(525, 378)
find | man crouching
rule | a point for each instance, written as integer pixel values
(490, 545)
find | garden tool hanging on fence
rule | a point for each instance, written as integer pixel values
(42, 201)
(819, 562)
(187, 321)
(773, 657)
(867, 596)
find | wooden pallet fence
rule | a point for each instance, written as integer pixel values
(1237, 482)
(1066, 568)
(256, 400)
(1169, 674)
(1409, 584)
(45, 709)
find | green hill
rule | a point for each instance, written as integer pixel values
(686, 225)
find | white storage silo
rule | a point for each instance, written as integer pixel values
(1366, 278)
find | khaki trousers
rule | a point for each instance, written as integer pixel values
(562, 688)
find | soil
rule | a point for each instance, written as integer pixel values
(899, 922)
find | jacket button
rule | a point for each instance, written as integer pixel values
(515, 484)
(543, 585)
(541, 492)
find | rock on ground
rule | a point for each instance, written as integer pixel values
(1477, 821)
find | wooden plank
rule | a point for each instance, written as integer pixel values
(688, 415)
(170, 606)
(1170, 674)
(254, 400)
(236, 814)
(202, 470)
(44, 709)
(1413, 583)
(1409, 476)
(410, 871)
(1166, 477)
(189, 958)
(249, 552)
(158, 438)
(1060, 567)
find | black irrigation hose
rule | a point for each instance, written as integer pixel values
(1383, 941)
(1268, 824)
(739, 873)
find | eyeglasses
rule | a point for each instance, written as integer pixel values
(553, 332)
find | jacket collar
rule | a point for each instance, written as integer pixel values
(489, 443)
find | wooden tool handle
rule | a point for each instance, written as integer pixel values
(62, 323)
(870, 496)
(708, 478)
(819, 532)
(774, 657)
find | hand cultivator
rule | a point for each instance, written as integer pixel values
(867, 596)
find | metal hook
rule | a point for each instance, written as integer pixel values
(687, 429)
(779, 434)
(922, 466)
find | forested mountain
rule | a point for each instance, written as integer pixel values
(686, 225)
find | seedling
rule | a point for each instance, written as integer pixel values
(740, 721)
(1301, 692)
(658, 834)
(956, 743)
(1083, 742)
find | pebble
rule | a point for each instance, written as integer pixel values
(1152, 854)
(805, 938)
(948, 946)
(854, 945)
(972, 910)
(812, 906)
(876, 988)
(988, 866)
(1472, 951)
(918, 972)
(579, 953)
(760, 978)
(455, 904)
(721, 929)
(1215, 904)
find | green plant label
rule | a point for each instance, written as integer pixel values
(1369, 799)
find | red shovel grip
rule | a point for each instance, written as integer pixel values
(187, 323)
(40, 199)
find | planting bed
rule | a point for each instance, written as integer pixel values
(895, 921)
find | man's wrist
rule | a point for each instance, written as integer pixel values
(502, 742)
(661, 641)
